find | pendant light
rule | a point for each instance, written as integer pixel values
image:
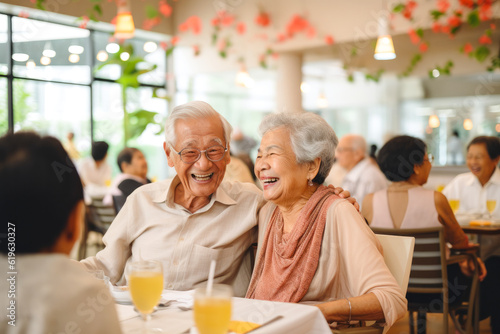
(124, 22)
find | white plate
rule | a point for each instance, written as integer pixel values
(121, 294)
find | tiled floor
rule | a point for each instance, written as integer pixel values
(434, 325)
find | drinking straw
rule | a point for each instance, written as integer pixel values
(211, 278)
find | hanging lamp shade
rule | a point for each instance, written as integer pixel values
(384, 50)
(125, 27)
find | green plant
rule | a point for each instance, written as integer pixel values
(21, 107)
(135, 122)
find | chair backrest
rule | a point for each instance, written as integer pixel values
(99, 215)
(398, 254)
(428, 271)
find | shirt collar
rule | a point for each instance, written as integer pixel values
(495, 178)
(168, 194)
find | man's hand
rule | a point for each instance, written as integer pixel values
(467, 267)
(345, 194)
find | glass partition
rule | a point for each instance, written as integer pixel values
(4, 125)
(49, 51)
(53, 109)
(4, 47)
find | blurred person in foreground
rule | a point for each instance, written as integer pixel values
(473, 189)
(362, 177)
(191, 219)
(41, 201)
(134, 173)
(314, 246)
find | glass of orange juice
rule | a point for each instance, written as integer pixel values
(455, 204)
(145, 280)
(491, 205)
(212, 309)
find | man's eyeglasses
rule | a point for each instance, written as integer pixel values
(191, 155)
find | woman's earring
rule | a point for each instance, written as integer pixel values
(310, 183)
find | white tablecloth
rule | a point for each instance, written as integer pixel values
(297, 318)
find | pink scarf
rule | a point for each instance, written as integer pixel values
(287, 263)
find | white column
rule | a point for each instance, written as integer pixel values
(289, 78)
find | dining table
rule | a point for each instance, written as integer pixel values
(177, 318)
(479, 225)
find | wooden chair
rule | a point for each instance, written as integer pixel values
(398, 253)
(429, 278)
(98, 218)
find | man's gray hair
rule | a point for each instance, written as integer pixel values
(311, 137)
(190, 110)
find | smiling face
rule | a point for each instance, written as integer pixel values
(283, 180)
(480, 163)
(202, 178)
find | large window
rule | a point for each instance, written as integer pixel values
(62, 83)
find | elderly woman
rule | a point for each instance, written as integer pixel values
(314, 246)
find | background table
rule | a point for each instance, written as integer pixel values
(297, 318)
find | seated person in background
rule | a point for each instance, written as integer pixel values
(41, 199)
(314, 246)
(134, 171)
(95, 171)
(405, 203)
(237, 170)
(362, 177)
(473, 190)
(187, 221)
(70, 147)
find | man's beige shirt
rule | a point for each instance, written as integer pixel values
(152, 227)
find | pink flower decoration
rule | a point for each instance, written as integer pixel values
(281, 38)
(165, 8)
(467, 3)
(296, 24)
(85, 20)
(311, 32)
(215, 22)
(329, 39)
(148, 24)
(163, 45)
(423, 47)
(485, 39)
(241, 28)
(275, 55)
(436, 27)
(24, 14)
(415, 39)
(195, 22)
(468, 48)
(454, 21)
(174, 40)
(262, 19)
(445, 29)
(493, 26)
(485, 12)
(411, 4)
(443, 5)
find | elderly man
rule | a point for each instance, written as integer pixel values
(363, 177)
(473, 190)
(187, 221)
(134, 171)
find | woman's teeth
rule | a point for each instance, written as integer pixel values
(270, 180)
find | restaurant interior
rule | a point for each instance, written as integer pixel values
(77, 67)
